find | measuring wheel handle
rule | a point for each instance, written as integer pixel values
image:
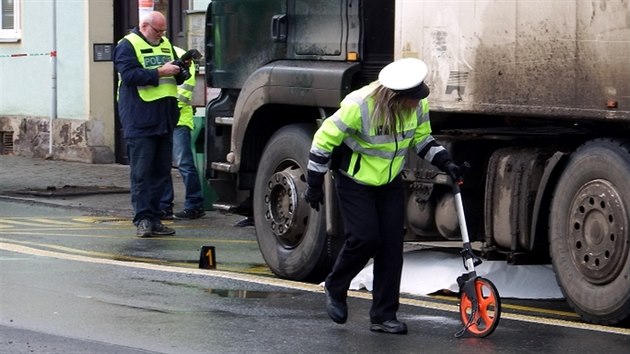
(479, 301)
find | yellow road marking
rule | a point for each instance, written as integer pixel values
(34, 230)
(57, 222)
(82, 223)
(17, 222)
(119, 257)
(300, 286)
(518, 307)
(95, 219)
(39, 222)
(125, 236)
(87, 219)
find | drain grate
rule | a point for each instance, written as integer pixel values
(6, 143)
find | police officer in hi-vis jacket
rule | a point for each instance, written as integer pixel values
(147, 107)
(372, 131)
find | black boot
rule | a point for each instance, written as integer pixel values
(391, 326)
(337, 309)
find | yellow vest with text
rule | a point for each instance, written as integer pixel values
(185, 94)
(152, 57)
(377, 158)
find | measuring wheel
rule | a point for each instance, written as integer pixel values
(481, 320)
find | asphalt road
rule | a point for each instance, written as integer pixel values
(82, 283)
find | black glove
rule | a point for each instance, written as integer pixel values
(453, 170)
(314, 196)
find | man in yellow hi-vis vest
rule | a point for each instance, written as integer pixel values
(147, 107)
(183, 156)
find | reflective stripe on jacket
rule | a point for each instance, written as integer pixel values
(185, 94)
(377, 158)
(152, 57)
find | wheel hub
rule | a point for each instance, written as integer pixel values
(597, 228)
(283, 212)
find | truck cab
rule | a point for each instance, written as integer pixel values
(282, 66)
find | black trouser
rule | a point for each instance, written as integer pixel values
(373, 223)
(150, 169)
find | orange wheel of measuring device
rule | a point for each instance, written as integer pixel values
(481, 321)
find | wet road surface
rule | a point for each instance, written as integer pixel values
(70, 282)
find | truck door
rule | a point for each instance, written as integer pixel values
(242, 36)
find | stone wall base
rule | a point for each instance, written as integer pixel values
(73, 140)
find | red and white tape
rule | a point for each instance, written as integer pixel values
(20, 55)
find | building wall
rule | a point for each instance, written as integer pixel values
(83, 129)
(199, 5)
(101, 88)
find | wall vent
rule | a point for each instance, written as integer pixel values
(6, 143)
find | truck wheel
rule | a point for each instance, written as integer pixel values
(291, 236)
(589, 232)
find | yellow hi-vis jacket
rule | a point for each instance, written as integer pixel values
(377, 158)
(152, 57)
(185, 94)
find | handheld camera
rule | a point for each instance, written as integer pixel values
(184, 73)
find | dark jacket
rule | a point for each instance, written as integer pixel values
(139, 118)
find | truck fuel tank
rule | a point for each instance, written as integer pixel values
(513, 179)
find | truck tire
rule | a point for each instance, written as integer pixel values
(589, 231)
(291, 236)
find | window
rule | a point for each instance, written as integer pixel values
(10, 20)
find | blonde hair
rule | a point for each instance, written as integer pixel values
(388, 106)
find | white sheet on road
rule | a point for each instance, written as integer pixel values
(428, 271)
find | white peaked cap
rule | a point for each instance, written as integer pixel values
(406, 77)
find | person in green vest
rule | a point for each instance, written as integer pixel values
(371, 134)
(183, 156)
(148, 112)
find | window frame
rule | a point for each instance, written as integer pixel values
(14, 34)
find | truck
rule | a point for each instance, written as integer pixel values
(534, 95)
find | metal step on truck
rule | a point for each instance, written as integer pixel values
(534, 95)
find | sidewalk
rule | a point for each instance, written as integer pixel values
(101, 189)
